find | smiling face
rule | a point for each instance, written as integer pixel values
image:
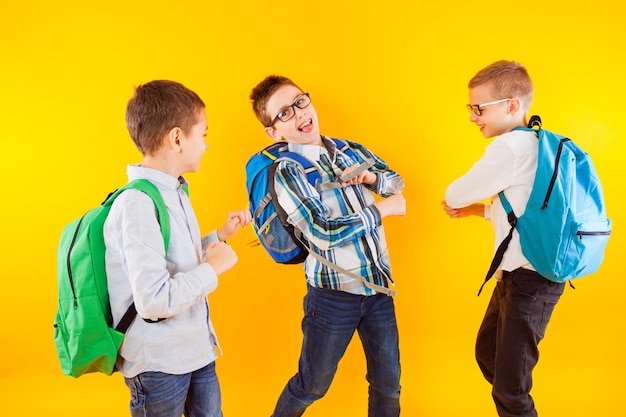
(497, 118)
(193, 144)
(302, 128)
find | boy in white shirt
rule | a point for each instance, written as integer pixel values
(168, 365)
(522, 301)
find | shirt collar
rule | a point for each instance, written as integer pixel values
(160, 177)
(315, 152)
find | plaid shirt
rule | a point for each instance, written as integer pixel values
(342, 224)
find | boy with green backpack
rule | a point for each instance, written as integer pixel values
(168, 353)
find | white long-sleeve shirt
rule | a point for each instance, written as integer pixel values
(509, 164)
(172, 286)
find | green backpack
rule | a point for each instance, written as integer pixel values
(84, 338)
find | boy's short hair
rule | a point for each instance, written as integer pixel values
(156, 108)
(509, 79)
(261, 94)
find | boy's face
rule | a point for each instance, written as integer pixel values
(495, 118)
(194, 144)
(302, 128)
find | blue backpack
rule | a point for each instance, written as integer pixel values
(270, 221)
(564, 229)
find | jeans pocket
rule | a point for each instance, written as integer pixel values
(548, 308)
(528, 283)
(532, 284)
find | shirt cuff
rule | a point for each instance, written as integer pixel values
(371, 217)
(210, 238)
(487, 211)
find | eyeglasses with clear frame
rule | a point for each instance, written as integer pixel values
(477, 109)
(301, 102)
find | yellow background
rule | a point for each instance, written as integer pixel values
(391, 75)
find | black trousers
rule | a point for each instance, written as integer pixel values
(507, 344)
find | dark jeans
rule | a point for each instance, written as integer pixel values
(330, 320)
(156, 394)
(506, 346)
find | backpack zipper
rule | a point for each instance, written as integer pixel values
(69, 266)
(583, 233)
(555, 173)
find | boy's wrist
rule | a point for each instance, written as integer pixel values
(372, 179)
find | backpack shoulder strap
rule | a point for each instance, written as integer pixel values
(378, 288)
(344, 147)
(279, 151)
(311, 172)
(505, 204)
(164, 222)
(497, 258)
(147, 187)
(534, 124)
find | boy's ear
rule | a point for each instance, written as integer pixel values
(515, 105)
(173, 139)
(272, 133)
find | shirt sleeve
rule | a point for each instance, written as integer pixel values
(207, 240)
(388, 181)
(490, 175)
(156, 292)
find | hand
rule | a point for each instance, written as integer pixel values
(221, 257)
(476, 209)
(394, 205)
(365, 177)
(234, 221)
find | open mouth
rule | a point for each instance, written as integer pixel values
(307, 126)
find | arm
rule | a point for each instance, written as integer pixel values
(234, 221)
(379, 178)
(490, 175)
(477, 209)
(159, 288)
(218, 254)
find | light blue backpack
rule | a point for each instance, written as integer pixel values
(564, 229)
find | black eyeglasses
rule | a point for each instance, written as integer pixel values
(288, 112)
(477, 109)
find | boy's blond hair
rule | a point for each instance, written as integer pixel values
(156, 108)
(508, 78)
(261, 94)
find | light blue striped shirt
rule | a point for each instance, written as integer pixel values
(342, 224)
(172, 286)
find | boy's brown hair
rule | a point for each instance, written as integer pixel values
(156, 108)
(508, 78)
(262, 93)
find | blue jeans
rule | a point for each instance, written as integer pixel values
(330, 320)
(507, 343)
(156, 394)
